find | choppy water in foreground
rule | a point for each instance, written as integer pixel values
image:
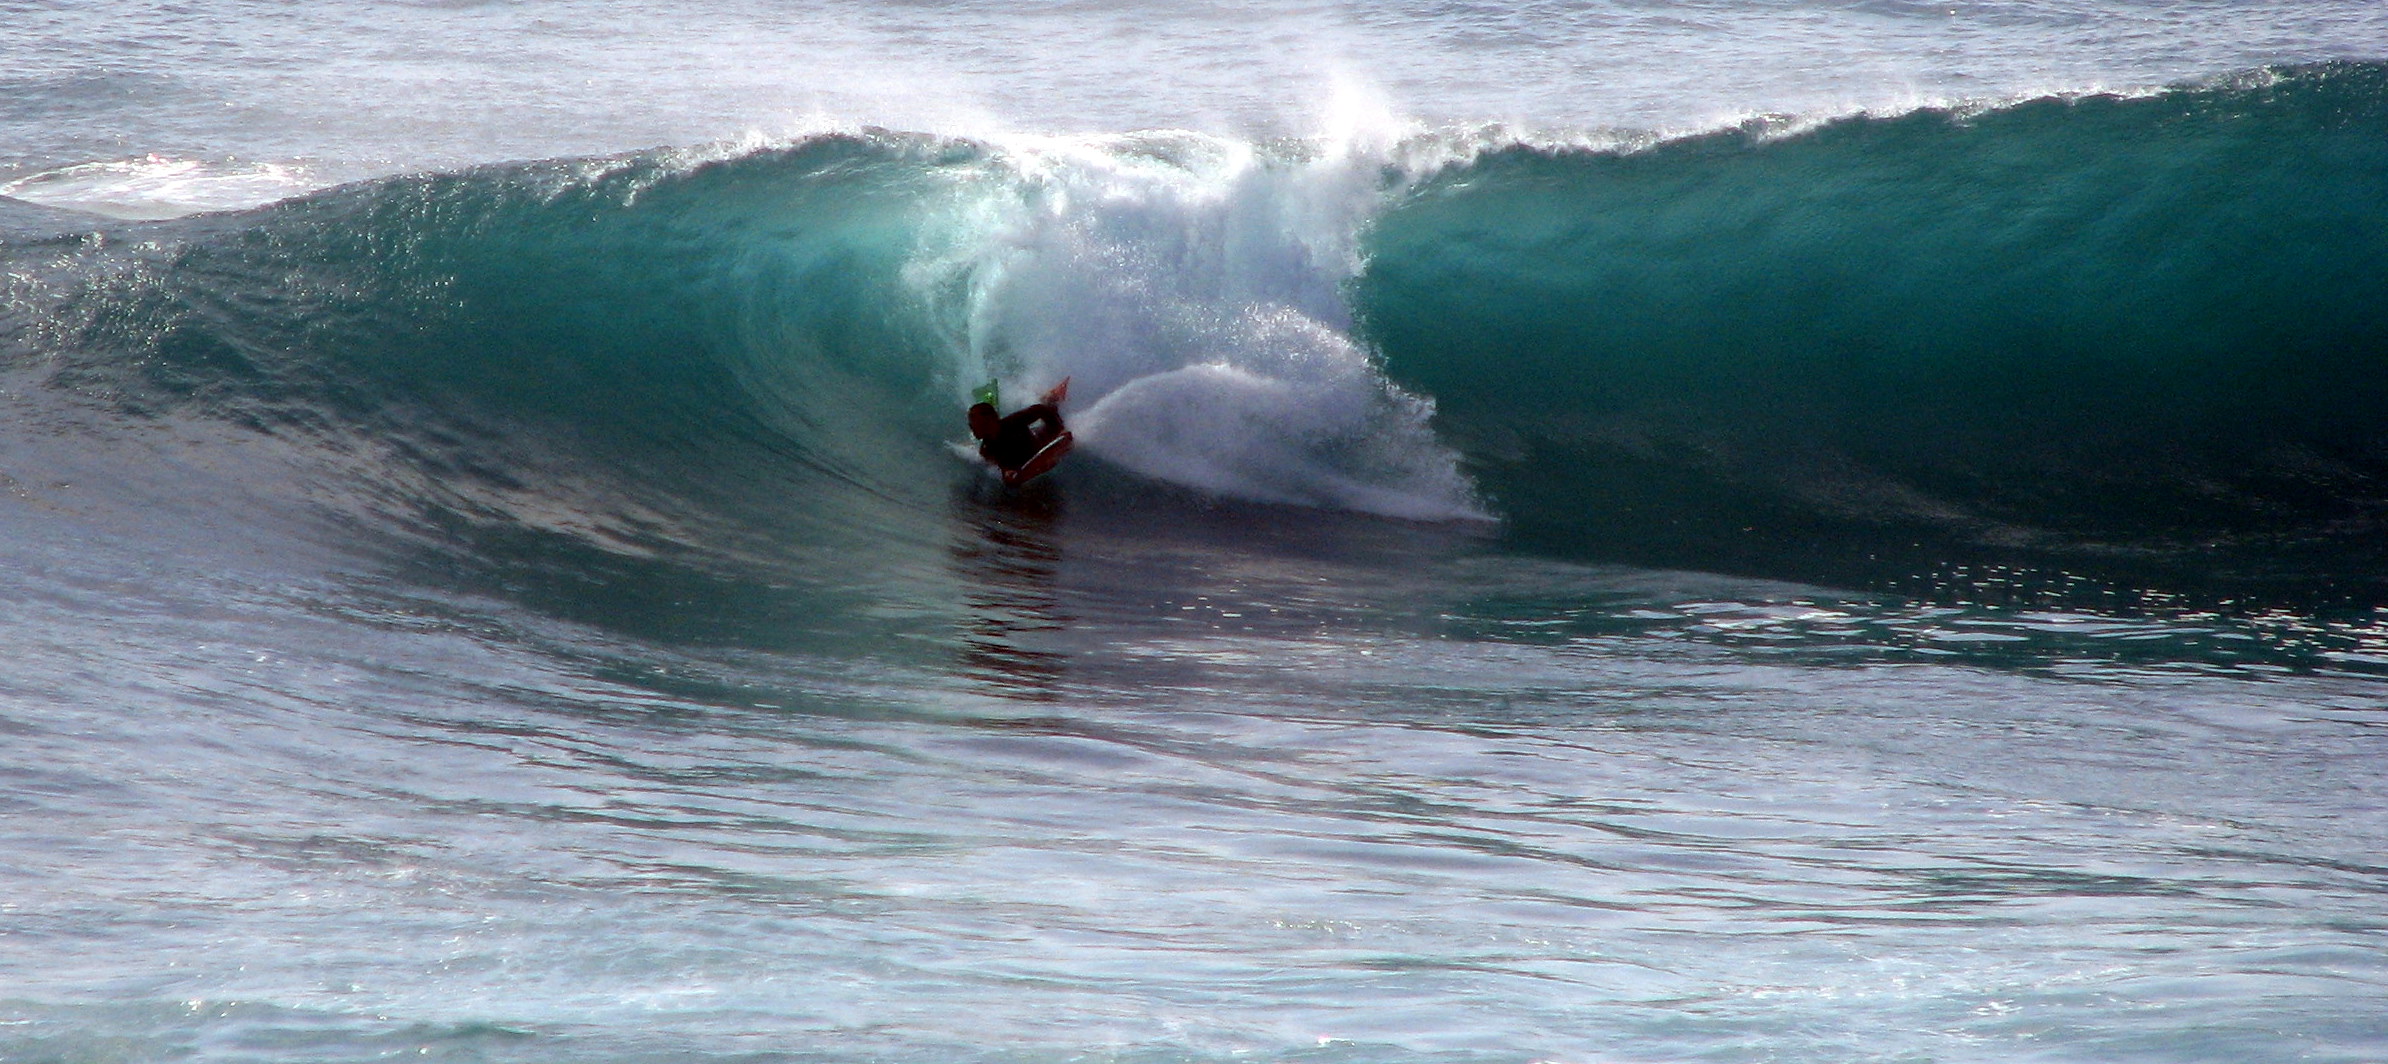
(1138, 795)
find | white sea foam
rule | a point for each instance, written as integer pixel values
(159, 186)
(1191, 288)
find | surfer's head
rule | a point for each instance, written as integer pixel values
(984, 421)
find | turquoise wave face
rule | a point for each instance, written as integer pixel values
(654, 333)
(613, 389)
(2147, 323)
(654, 307)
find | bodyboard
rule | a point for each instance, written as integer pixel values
(1042, 462)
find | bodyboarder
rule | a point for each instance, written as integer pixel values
(1026, 443)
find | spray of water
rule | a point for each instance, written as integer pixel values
(1191, 287)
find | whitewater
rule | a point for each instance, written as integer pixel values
(1655, 531)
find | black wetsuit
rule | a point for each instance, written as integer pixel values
(1015, 442)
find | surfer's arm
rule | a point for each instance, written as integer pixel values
(1043, 413)
(1039, 423)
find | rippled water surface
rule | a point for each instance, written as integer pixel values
(1155, 798)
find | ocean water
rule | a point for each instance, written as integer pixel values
(1611, 531)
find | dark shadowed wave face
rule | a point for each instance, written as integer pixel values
(2138, 333)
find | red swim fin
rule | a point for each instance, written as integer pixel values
(1059, 392)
